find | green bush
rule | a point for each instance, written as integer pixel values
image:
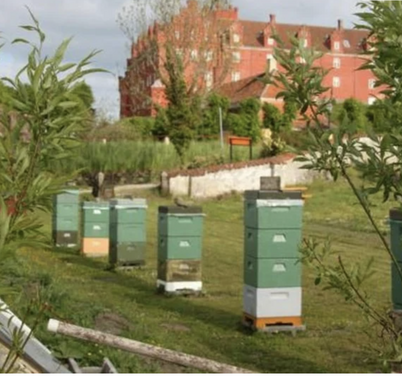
(246, 123)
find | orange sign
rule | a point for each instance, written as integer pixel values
(240, 141)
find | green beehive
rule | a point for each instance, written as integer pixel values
(127, 233)
(179, 248)
(179, 221)
(95, 230)
(127, 253)
(279, 243)
(95, 212)
(66, 210)
(68, 196)
(396, 287)
(272, 273)
(179, 270)
(273, 214)
(65, 223)
(396, 233)
(128, 211)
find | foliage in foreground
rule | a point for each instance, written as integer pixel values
(339, 151)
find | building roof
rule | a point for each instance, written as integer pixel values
(253, 35)
(250, 87)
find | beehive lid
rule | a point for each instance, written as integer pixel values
(70, 192)
(272, 195)
(180, 210)
(129, 203)
(395, 214)
(96, 205)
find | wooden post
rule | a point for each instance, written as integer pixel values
(136, 347)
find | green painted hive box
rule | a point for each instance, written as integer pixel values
(179, 248)
(66, 210)
(396, 287)
(127, 254)
(272, 273)
(98, 230)
(65, 223)
(97, 212)
(127, 233)
(178, 221)
(68, 196)
(281, 243)
(273, 214)
(395, 221)
(128, 211)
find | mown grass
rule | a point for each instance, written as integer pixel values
(80, 290)
(144, 156)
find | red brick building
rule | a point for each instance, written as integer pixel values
(251, 46)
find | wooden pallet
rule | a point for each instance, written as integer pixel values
(273, 324)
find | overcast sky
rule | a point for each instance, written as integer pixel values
(93, 25)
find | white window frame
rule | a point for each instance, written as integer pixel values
(270, 41)
(371, 83)
(272, 62)
(236, 38)
(336, 82)
(209, 55)
(209, 80)
(236, 76)
(194, 54)
(336, 63)
(236, 56)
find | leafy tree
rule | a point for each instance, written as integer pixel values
(247, 122)
(353, 113)
(48, 109)
(179, 114)
(338, 151)
(209, 125)
(272, 117)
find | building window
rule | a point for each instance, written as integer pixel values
(371, 101)
(236, 38)
(346, 43)
(336, 46)
(209, 55)
(235, 76)
(271, 63)
(336, 82)
(305, 43)
(271, 41)
(371, 83)
(209, 80)
(236, 57)
(194, 54)
(337, 63)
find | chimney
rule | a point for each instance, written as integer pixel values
(272, 19)
(340, 24)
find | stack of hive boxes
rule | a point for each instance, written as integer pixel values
(127, 232)
(272, 271)
(65, 218)
(396, 248)
(180, 249)
(95, 229)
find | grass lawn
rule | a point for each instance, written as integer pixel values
(83, 292)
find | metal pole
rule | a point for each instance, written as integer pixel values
(221, 127)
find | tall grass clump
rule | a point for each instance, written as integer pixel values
(146, 156)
